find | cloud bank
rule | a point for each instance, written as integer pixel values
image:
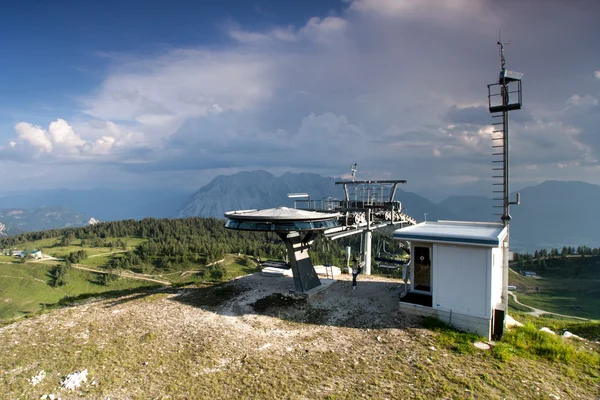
(397, 86)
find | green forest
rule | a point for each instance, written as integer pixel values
(179, 244)
(569, 262)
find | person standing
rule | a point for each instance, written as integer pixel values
(355, 271)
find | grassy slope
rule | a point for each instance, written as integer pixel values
(50, 247)
(151, 347)
(25, 288)
(559, 295)
(589, 330)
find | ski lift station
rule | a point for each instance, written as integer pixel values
(456, 273)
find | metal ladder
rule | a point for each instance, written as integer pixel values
(498, 160)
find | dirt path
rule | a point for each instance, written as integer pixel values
(184, 273)
(124, 274)
(23, 277)
(537, 312)
(105, 254)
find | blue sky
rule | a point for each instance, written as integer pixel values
(127, 94)
(56, 51)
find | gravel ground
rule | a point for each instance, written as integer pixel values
(202, 342)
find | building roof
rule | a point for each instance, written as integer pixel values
(280, 214)
(455, 232)
(281, 219)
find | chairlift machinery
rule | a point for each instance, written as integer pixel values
(387, 260)
(367, 205)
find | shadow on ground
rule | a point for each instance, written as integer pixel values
(373, 304)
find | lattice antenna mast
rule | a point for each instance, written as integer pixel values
(504, 93)
(353, 169)
(500, 103)
(502, 59)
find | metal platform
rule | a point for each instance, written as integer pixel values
(297, 228)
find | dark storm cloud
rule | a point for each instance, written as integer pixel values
(468, 115)
(399, 88)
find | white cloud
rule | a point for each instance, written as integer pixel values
(61, 142)
(324, 30)
(400, 7)
(288, 34)
(102, 145)
(215, 109)
(62, 135)
(378, 83)
(316, 29)
(582, 101)
(597, 74)
(35, 136)
(432, 11)
(162, 93)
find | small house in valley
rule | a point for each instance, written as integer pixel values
(36, 254)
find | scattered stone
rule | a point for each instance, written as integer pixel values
(432, 348)
(554, 396)
(379, 338)
(568, 334)
(74, 380)
(265, 346)
(482, 345)
(510, 322)
(38, 378)
(544, 329)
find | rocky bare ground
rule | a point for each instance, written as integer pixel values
(248, 339)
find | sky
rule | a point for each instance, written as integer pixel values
(153, 94)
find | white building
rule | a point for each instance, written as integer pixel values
(36, 254)
(456, 273)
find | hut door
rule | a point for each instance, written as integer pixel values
(422, 272)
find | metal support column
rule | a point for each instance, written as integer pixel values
(506, 205)
(305, 276)
(368, 234)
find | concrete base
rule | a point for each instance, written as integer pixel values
(325, 283)
(466, 323)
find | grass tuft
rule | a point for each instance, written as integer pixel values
(527, 341)
(459, 342)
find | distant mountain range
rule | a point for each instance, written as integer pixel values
(16, 220)
(551, 214)
(260, 189)
(103, 204)
(256, 189)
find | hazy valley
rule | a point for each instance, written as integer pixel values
(551, 214)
